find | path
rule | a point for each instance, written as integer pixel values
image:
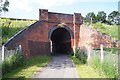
(61, 66)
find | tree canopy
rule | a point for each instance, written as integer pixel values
(90, 17)
(101, 16)
(4, 4)
(113, 17)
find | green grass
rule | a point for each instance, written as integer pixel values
(85, 71)
(11, 27)
(33, 65)
(108, 67)
(111, 30)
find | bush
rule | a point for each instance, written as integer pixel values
(112, 50)
(13, 62)
(96, 62)
(109, 69)
(81, 55)
(106, 67)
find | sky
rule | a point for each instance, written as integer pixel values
(29, 9)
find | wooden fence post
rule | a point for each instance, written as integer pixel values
(102, 54)
(20, 49)
(51, 46)
(88, 59)
(3, 53)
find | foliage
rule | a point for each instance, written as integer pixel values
(113, 17)
(111, 30)
(112, 50)
(109, 69)
(90, 17)
(101, 16)
(81, 55)
(106, 67)
(96, 62)
(32, 66)
(86, 71)
(11, 27)
(12, 62)
(4, 6)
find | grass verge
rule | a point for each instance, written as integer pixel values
(32, 66)
(85, 71)
(111, 30)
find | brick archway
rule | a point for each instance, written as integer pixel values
(36, 39)
(61, 39)
(56, 27)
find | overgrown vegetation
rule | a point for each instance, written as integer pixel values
(32, 66)
(85, 71)
(81, 55)
(13, 62)
(111, 30)
(107, 67)
(11, 27)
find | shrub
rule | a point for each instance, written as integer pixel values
(112, 50)
(81, 55)
(106, 67)
(13, 62)
(96, 62)
(109, 69)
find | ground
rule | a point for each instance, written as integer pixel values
(61, 66)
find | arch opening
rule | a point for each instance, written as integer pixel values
(61, 41)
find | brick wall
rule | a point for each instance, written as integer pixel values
(35, 39)
(92, 38)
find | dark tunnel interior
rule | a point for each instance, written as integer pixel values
(61, 41)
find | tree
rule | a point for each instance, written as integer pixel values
(90, 17)
(101, 16)
(4, 5)
(114, 17)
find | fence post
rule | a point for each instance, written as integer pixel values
(51, 46)
(88, 59)
(3, 52)
(20, 49)
(102, 55)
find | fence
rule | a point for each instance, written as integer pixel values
(103, 55)
(6, 53)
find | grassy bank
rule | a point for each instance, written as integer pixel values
(111, 30)
(32, 66)
(11, 27)
(85, 71)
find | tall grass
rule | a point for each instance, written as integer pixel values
(32, 66)
(85, 71)
(111, 30)
(107, 67)
(11, 27)
(81, 55)
(13, 62)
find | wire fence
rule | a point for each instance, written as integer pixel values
(109, 56)
(5, 53)
(103, 55)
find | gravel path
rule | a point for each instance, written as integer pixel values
(61, 66)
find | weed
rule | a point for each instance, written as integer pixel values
(81, 55)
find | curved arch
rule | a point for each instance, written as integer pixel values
(54, 28)
(60, 43)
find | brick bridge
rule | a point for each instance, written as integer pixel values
(54, 32)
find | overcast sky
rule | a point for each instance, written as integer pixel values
(29, 9)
